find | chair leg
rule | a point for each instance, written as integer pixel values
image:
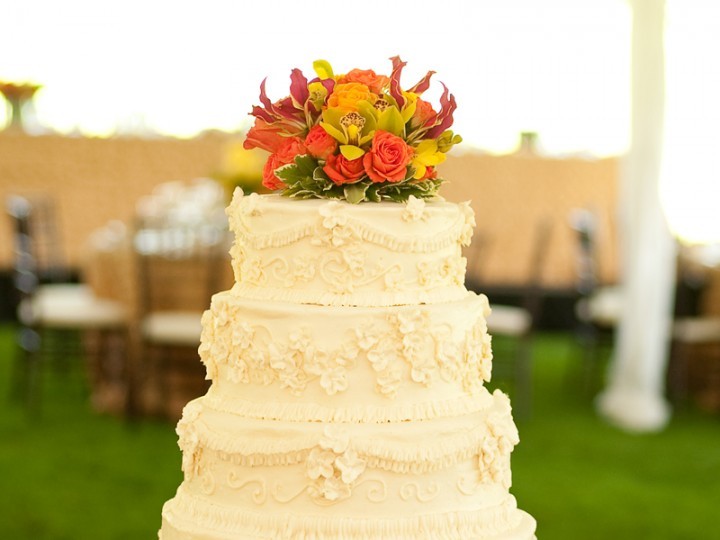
(523, 376)
(26, 369)
(150, 378)
(678, 373)
(592, 343)
(131, 374)
(116, 372)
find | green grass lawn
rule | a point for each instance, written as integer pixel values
(71, 474)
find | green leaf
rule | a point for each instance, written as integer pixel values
(351, 152)
(320, 177)
(306, 163)
(372, 193)
(297, 172)
(289, 173)
(355, 193)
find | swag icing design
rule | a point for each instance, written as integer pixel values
(328, 465)
(405, 347)
(343, 263)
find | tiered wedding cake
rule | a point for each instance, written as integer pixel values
(348, 360)
(347, 401)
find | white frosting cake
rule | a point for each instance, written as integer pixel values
(347, 398)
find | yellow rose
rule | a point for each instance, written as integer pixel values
(346, 96)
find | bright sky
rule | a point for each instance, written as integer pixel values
(177, 68)
(690, 184)
(557, 67)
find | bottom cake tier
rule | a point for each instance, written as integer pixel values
(258, 478)
(180, 523)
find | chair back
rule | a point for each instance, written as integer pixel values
(585, 224)
(476, 254)
(532, 299)
(37, 248)
(179, 268)
(38, 241)
(25, 271)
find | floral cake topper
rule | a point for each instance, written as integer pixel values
(357, 136)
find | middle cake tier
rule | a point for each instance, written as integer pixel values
(284, 361)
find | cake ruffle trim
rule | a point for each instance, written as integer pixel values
(193, 515)
(312, 412)
(443, 294)
(418, 455)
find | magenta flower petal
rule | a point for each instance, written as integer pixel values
(423, 84)
(299, 87)
(395, 90)
(259, 112)
(444, 118)
(263, 97)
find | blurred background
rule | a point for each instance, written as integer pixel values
(590, 155)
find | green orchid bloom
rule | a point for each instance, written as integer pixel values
(352, 130)
(391, 118)
(318, 93)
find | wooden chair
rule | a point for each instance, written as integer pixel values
(517, 322)
(178, 272)
(695, 338)
(58, 319)
(598, 307)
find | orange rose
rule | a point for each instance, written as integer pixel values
(423, 113)
(367, 77)
(271, 181)
(263, 135)
(342, 170)
(319, 143)
(346, 96)
(388, 158)
(430, 174)
(289, 148)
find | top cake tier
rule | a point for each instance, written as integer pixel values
(335, 253)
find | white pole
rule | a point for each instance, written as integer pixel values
(634, 397)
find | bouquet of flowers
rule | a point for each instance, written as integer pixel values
(357, 136)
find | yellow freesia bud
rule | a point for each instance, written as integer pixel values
(447, 140)
(323, 69)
